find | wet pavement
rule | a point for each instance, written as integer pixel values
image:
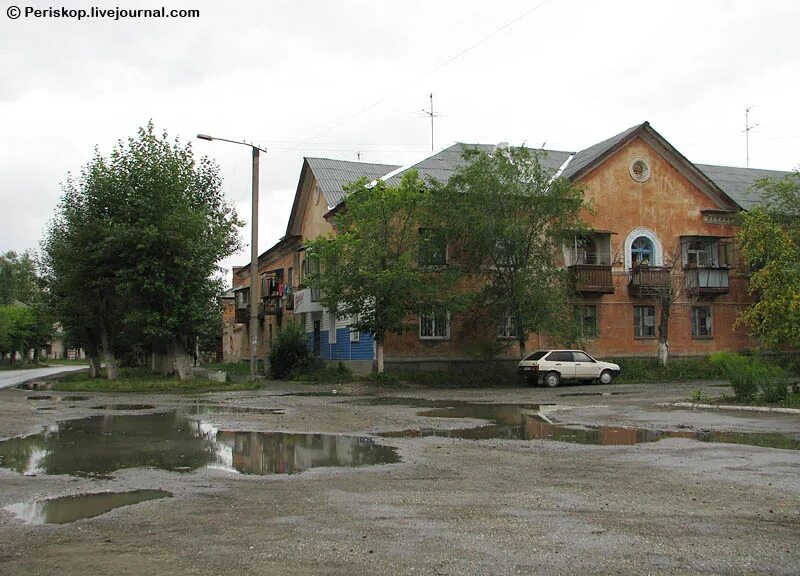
(297, 480)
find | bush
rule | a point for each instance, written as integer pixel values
(289, 351)
(751, 378)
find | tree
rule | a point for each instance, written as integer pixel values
(508, 216)
(18, 280)
(770, 243)
(132, 252)
(369, 269)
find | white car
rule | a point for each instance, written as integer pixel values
(552, 366)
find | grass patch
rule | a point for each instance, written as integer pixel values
(643, 370)
(328, 374)
(21, 366)
(64, 362)
(142, 380)
(477, 375)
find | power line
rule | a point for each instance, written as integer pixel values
(447, 62)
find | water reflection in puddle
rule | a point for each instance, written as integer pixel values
(39, 398)
(100, 445)
(71, 508)
(524, 422)
(201, 408)
(124, 407)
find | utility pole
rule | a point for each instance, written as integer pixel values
(254, 280)
(747, 128)
(431, 114)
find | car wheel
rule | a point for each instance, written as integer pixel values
(606, 377)
(552, 379)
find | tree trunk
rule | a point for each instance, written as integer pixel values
(108, 355)
(179, 358)
(663, 330)
(521, 343)
(379, 355)
(94, 369)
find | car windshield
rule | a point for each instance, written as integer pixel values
(536, 355)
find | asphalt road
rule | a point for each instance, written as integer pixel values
(9, 378)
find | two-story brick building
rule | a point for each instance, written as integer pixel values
(657, 218)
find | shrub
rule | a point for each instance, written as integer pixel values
(288, 351)
(751, 377)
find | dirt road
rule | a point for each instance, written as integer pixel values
(627, 493)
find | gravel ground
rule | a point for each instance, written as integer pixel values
(450, 506)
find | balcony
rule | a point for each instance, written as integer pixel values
(307, 300)
(648, 281)
(271, 307)
(707, 281)
(592, 278)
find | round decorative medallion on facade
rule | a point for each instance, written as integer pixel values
(639, 169)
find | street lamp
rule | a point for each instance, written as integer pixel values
(253, 251)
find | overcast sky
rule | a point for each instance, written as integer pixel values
(335, 78)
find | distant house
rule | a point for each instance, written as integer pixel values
(655, 214)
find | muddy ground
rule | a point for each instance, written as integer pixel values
(450, 506)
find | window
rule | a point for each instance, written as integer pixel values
(585, 251)
(581, 357)
(698, 254)
(506, 253)
(644, 321)
(432, 247)
(639, 169)
(702, 326)
(586, 320)
(536, 355)
(560, 356)
(641, 251)
(355, 335)
(434, 323)
(507, 327)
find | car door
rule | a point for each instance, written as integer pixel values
(562, 362)
(585, 367)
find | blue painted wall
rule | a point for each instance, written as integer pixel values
(343, 349)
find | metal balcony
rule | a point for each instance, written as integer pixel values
(707, 281)
(594, 279)
(649, 281)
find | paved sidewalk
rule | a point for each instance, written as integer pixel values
(9, 378)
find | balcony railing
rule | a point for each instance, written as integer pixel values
(649, 281)
(595, 279)
(270, 307)
(707, 281)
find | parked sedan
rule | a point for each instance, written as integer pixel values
(552, 366)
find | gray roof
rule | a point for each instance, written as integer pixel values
(332, 175)
(591, 154)
(443, 164)
(738, 182)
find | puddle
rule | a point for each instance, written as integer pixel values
(571, 394)
(47, 408)
(124, 407)
(75, 398)
(100, 445)
(524, 422)
(202, 408)
(71, 508)
(39, 398)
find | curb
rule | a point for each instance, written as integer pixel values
(692, 405)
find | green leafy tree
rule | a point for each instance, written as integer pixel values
(770, 243)
(18, 280)
(508, 217)
(370, 269)
(132, 253)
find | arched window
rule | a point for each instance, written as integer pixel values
(641, 251)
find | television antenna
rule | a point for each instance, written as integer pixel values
(431, 115)
(747, 128)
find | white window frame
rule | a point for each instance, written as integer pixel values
(709, 322)
(658, 252)
(355, 335)
(436, 333)
(644, 323)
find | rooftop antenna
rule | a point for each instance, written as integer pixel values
(747, 128)
(358, 155)
(431, 114)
